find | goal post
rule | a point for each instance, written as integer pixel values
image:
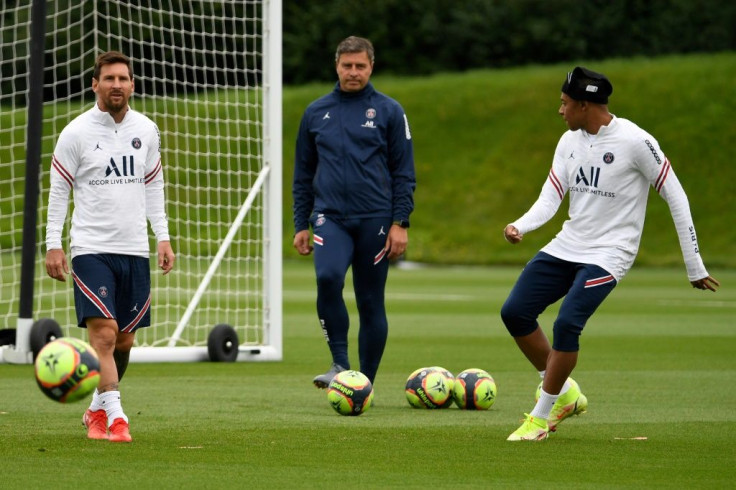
(208, 72)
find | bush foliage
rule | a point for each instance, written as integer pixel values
(420, 38)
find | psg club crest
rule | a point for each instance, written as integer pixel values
(608, 157)
(320, 221)
(136, 143)
(102, 292)
(370, 113)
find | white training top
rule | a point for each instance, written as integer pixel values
(608, 176)
(116, 174)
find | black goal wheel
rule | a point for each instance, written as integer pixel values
(222, 344)
(43, 331)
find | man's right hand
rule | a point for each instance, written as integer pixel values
(56, 265)
(301, 242)
(512, 235)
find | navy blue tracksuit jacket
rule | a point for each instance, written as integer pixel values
(354, 158)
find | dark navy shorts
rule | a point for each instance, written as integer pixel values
(113, 286)
(544, 281)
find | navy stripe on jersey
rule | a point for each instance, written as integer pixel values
(62, 171)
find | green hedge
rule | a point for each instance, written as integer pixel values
(434, 36)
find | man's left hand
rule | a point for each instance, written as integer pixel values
(166, 257)
(706, 283)
(396, 242)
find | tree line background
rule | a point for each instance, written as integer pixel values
(420, 38)
(411, 38)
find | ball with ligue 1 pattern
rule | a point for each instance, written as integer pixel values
(474, 389)
(67, 369)
(429, 387)
(350, 393)
(450, 383)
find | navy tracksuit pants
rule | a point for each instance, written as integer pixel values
(357, 243)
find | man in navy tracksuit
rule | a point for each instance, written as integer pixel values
(354, 183)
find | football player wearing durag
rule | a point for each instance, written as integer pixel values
(607, 165)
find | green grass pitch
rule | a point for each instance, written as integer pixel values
(657, 364)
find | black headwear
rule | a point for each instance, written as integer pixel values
(584, 84)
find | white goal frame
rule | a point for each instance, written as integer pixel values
(246, 243)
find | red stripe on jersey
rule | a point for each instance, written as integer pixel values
(56, 164)
(131, 326)
(92, 297)
(318, 240)
(380, 256)
(591, 283)
(152, 174)
(662, 175)
(556, 183)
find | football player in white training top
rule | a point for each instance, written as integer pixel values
(607, 164)
(110, 157)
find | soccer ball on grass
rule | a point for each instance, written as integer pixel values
(430, 387)
(350, 393)
(67, 369)
(474, 389)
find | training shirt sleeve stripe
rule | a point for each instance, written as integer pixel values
(153, 173)
(556, 183)
(662, 175)
(61, 183)
(64, 173)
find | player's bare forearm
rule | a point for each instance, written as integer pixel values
(710, 283)
(166, 257)
(56, 264)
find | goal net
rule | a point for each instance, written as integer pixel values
(208, 72)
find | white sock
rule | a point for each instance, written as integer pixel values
(544, 405)
(110, 401)
(565, 387)
(95, 404)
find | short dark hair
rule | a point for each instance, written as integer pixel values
(109, 58)
(354, 44)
